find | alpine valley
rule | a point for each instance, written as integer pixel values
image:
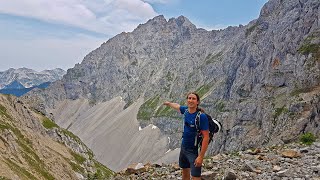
(261, 80)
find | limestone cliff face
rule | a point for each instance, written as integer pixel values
(33, 147)
(262, 80)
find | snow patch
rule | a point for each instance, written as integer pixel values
(168, 151)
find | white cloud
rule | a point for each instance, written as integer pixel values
(103, 16)
(158, 1)
(46, 52)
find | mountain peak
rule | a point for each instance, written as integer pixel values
(159, 18)
(182, 21)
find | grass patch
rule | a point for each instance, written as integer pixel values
(38, 165)
(79, 159)
(30, 156)
(307, 138)
(148, 108)
(213, 58)
(306, 49)
(203, 90)
(234, 154)
(70, 134)
(3, 111)
(251, 29)
(20, 171)
(296, 92)
(279, 111)
(169, 76)
(3, 126)
(4, 178)
(76, 167)
(220, 106)
(48, 123)
(102, 171)
(166, 111)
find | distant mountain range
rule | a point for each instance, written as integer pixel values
(17, 89)
(20, 81)
(28, 77)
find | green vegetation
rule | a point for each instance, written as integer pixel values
(76, 167)
(3, 178)
(234, 154)
(29, 155)
(79, 159)
(279, 111)
(220, 106)
(213, 58)
(21, 172)
(203, 90)
(311, 48)
(3, 125)
(102, 171)
(3, 111)
(296, 92)
(165, 111)
(169, 76)
(35, 163)
(307, 138)
(47, 123)
(148, 108)
(70, 134)
(251, 29)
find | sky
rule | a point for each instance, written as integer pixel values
(48, 34)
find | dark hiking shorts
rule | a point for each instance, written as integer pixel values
(186, 160)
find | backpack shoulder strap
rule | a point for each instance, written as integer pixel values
(197, 121)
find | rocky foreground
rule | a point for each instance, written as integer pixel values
(286, 162)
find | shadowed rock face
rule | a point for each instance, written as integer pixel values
(261, 80)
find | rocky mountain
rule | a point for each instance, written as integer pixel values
(28, 77)
(34, 147)
(261, 80)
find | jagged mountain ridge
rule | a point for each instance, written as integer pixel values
(28, 77)
(261, 79)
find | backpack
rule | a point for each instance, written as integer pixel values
(214, 127)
